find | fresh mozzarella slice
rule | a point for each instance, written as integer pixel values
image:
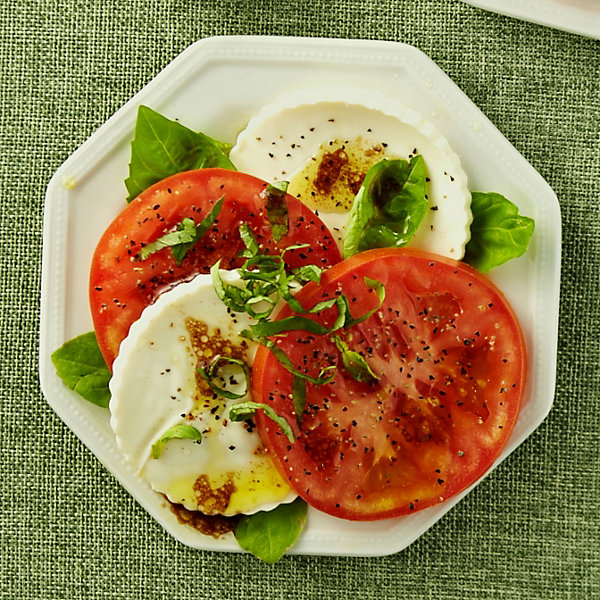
(156, 386)
(323, 140)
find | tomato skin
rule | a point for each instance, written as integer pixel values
(122, 285)
(451, 361)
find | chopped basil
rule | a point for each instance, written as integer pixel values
(278, 188)
(252, 248)
(267, 535)
(389, 206)
(80, 364)
(265, 279)
(277, 209)
(354, 363)
(325, 375)
(162, 147)
(182, 431)
(299, 397)
(268, 328)
(184, 237)
(498, 231)
(307, 273)
(246, 410)
(379, 289)
(214, 373)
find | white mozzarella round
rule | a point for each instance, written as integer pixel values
(293, 137)
(156, 385)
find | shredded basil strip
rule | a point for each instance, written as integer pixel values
(299, 397)
(307, 273)
(379, 290)
(325, 375)
(354, 363)
(230, 295)
(211, 374)
(184, 237)
(303, 277)
(252, 247)
(268, 328)
(277, 209)
(278, 187)
(246, 410)
(182, 431)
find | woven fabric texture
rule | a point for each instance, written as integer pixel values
(69, 530)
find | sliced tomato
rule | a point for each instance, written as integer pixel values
(450, 362)
(122, 285)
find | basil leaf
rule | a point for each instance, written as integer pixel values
(232, 296)
(185, 236)
(307, 273)
(286, 294)
(389, 206)
(177, 432)
(246, 410)
(354, 363)
(212, 374)
(299, 397)
(325, 376)
(267, 535)
(498, 231)
(268, 328)
(80, 364)
(277, 209)
(379, 290)
(249, 240)
(162, 147)
(278, 188)
(184, 233)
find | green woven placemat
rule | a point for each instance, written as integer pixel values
(530, 530)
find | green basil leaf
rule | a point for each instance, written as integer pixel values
(252, 248)
(379, 290)
(278, 188)
(307, 273)
(268, 328)
(267, 535)
(211, 375)
(162, 147)
(325, 376)
(389, 206)
(277, 209)
(185, 236)
(232, 296)
(246, 410)
(299, 397)
(354, 363)
(266, 302)
(80, 364)
(498, 231)
(177, 432)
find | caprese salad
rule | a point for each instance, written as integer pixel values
(303, 319)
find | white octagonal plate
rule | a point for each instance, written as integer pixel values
(215, 86)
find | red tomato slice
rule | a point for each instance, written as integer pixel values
(122, 285)
(451, 362)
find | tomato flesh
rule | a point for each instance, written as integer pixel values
(450, 359)
(122, 285)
